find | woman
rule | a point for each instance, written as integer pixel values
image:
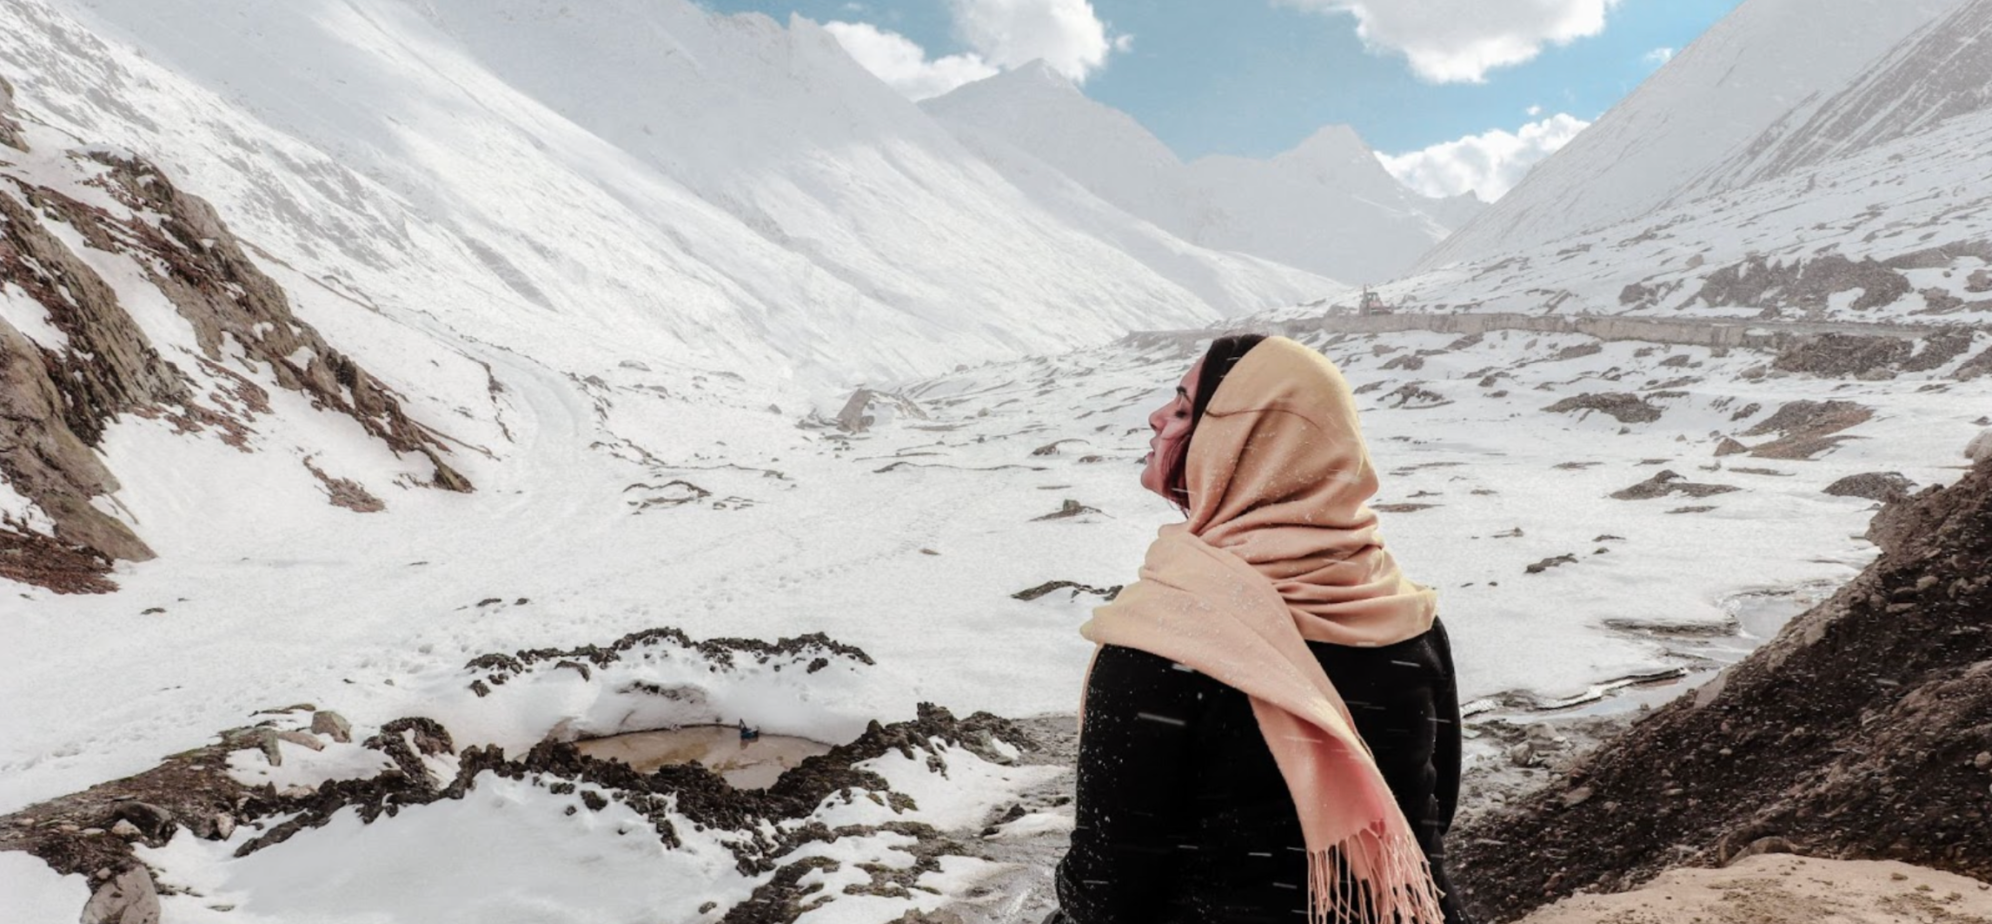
(1270, 726)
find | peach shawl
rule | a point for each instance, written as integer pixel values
(1281, 549)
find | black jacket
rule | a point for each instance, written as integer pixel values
(1182, 815)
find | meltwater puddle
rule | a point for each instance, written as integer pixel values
(745, 763)
(1754, 618)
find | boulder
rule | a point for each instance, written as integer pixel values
(1980, 447)
(127, 898)
(1876, 486)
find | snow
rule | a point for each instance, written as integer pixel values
(633, 288)
(30, 318)
(514, 855)
(37, 894)
(1327, 206)
(750, 198)
(1765, 64)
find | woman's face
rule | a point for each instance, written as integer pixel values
(1171, 423)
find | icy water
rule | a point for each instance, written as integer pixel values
(754, 764)
(1755, 618)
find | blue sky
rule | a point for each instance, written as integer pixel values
(1428, 79)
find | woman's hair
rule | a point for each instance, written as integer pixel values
(1224, 353)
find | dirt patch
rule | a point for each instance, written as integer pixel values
(1863, 731)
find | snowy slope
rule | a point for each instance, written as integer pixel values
(633, 180)
(1942, 71)
(1327, 205)
(1770, 62)
(1893, 234)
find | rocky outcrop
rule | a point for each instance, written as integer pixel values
(1886, 487)
(1670, 482)
(1862, 731)
(1845, 355)
(90, 362)
(1803, 284)
(1624, 408)
(1807, 428)
(10, 124)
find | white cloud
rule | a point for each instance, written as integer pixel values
(1534, 111)
(903, 64)
(1659, 56)
(1066, 34)
(1487, 164)
(1449, 41)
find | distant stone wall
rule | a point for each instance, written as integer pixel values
(1769, 335)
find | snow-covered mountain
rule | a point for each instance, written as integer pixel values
(648, 179)
(1942, 71)
(1327, 205)
(1775, 84)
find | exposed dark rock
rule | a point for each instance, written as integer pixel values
(1077, 588)
(127, 898)
(10, 124)
(326, 722)
(1625, 408)
(857, 416)
(1807, 428)
(1669, 482)
(1974, 367)
(1412, 395)
(1853, 734)
(1802, 284)
(719, 652)
(1071, 508)
(1729, 447)
(1937, 349)
(345, 492)
(1887, 487)
(1548, 563)
(66, 568)
(57, 398)
(1844, 355)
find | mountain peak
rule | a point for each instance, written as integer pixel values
(1334, 140)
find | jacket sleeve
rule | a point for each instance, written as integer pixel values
(1446, 757)
(1135, 810)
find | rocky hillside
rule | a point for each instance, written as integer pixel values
(126, 295)
(1863, 731)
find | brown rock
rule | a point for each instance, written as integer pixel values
(128, 898)
(1668, 482)
(1625, 408)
